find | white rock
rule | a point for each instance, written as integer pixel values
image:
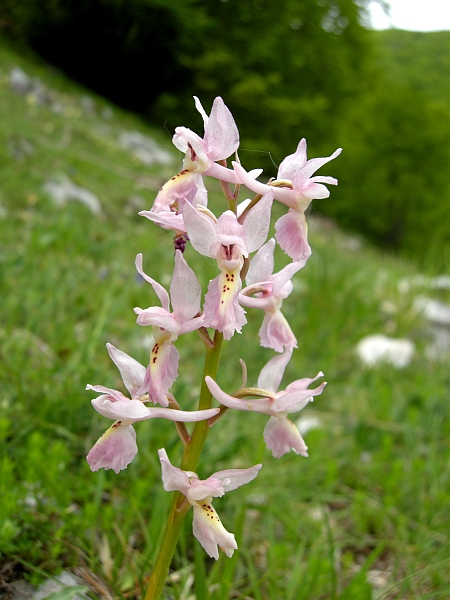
(433, 310)
(441, 282)
(63, 190)
(144, 148)
(378, 348)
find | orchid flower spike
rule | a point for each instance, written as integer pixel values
(229, 242)
(117, 447)
(221, 140)
(295, 188)
(267, 291)
(207, 526)
(185, 294)
(280, 434)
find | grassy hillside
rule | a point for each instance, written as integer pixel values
(365, 516)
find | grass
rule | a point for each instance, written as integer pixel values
(365, 516)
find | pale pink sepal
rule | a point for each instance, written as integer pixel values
(292, 234)
(221, 134)
(135, 410)
(282, 436)
(115, 449)
(261, 405)
(276, 333)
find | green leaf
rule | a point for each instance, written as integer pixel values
(67, 593)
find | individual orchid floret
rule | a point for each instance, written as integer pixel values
(171, 216)
(220, 140)
(207, 527)
(295, 188)
(185, 295)
(117, 447)
(228, 242)
(267, 291)
(280, 434)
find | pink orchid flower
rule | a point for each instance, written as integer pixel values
(117, 447)
(207, 526)
(220, 140)
(228, 242)
(185, 294)
(171, 216)
(280, 434)
(295, 188)
(267, 291)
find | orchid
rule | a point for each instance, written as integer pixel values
(220, 140)
(236, 240)
(229, 242)
(266, 291)
(171, 217)
(295, 188)
(185, 294)
(207, 526)
(280, 434)
(117, 447)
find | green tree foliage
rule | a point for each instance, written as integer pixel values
(394, 171)
(394, 174)
(291, 64)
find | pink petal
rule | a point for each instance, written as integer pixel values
(163, 371)
(185, 290)
(200, 228)
(157, 316)
(202, 488)
(114, 450)
(272, 373)
(201, 110)
(173, 479)
(221, 134)
(262, 264)
(159, 290)
(185, 138)
(282, 436)
(113, 395)
(249, 181)
(276, 333)
(222, 309)
(284, 276)
(126, 410)
(135, 410)
(234, 478)
(208, 529)
(222, 173)
(311, 167)
(262, 405)
(292, 163)
(257, 222)
(132, 372)
(179, 188)
(166, 219)
(292, 233)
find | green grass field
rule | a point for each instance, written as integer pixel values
(366, 516)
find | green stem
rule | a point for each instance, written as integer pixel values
(189, 462)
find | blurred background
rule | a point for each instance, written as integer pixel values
(91, 91)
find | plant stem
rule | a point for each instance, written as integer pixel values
(191, 456)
